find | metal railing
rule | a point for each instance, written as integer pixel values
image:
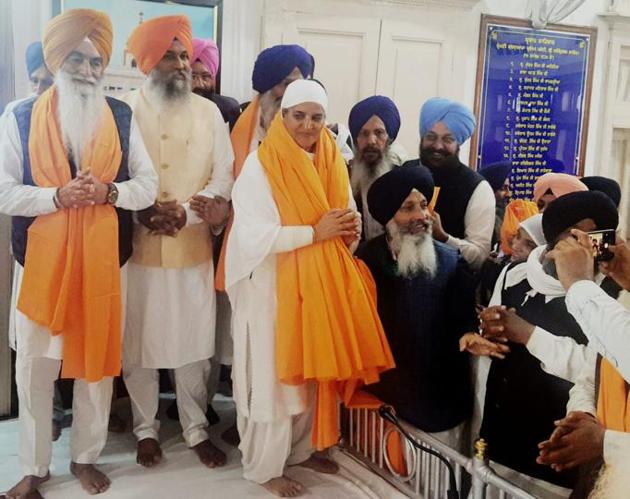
(430, 468)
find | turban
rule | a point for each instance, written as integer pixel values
(387, 193)
(515, 212)
(301, 91)
(34, 57)
(150, 40)
(457, 118)
(564, 212)
(558, 183)
(533, 227)
(65, 32)
(496, 174)
(377, 105)
(207, 52)
(275, 63)
(608, 186)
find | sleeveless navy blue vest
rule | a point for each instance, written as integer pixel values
(20, 225)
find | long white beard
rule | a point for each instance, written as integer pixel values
(613, 482)
(80, 111)
(362, 176)
(415, 253)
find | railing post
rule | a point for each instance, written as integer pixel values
(480, 460)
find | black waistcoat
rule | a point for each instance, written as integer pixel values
(522, 400)
(457, 183)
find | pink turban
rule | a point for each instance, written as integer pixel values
(558, 183)
(207, 52)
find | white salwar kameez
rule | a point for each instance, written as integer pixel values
(274, 419)
(171, 314)
(39, 353)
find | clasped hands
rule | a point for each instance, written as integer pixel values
(83, 190)
(338, 223)
(577, 439)
(498, 325)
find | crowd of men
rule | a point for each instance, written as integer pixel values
(320, 261)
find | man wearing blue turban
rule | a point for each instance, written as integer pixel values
(374, 123)
(38, 75)
(465, 209)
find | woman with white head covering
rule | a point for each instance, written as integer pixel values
(289, 273)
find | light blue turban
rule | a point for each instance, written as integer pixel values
(457, 118)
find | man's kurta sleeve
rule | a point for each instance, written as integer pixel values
(222, 180)
(604, 321)
(140, 191)
(17, 199)
(479, 226)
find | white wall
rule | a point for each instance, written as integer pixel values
(266, 22)
(29, 19)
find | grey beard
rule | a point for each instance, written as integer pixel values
(80, 111)
(269, 107)
(415, 254)
(362, 175)
(169, 90)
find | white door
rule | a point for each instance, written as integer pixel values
(346, 56)
(415, 63)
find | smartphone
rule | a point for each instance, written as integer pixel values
(601, 241)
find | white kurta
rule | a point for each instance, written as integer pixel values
(171, 313)
(256, 237)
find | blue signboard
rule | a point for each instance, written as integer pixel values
(533, 99)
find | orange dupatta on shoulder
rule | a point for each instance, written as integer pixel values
(613, 401)
(327, 326)
(71, 281)
(241, 136)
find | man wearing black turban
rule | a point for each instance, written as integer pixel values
(528, 390)
(425, 302)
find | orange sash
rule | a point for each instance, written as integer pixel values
(327, 326)
(242, 136)
(71, 282)
(613, 402)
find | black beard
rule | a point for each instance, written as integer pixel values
(371, 163)
(427, 159)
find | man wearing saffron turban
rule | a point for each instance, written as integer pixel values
(374, 123)
(289, 253)
(465, 208)
(72, 167)
(171, 304)
(205, 65)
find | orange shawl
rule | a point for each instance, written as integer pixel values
(613, 402)
(327, 326)
(242, 136)
(71, 282)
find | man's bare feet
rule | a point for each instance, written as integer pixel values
(209, 454)
(231, 436)
(56, 430)
(149, 452)
(283, 486)
(321, 463)
(92, 480)
(27, 487)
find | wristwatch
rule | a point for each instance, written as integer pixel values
(112, 194)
